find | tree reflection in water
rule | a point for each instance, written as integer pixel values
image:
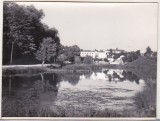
(27, 93)
(121, 76)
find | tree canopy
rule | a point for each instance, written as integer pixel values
(148, 52)
(47, 50)
(23, 31)
(70, 52)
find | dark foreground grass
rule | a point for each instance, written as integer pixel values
(47, 112)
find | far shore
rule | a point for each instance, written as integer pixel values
(56, 68)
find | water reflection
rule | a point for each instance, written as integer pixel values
(121, 75)
(91, 90)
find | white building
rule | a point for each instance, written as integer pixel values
(109, 54)
(94, 54)
(101, 55)
(85, 53)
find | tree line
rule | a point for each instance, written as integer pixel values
(26, 40)
(133, 55)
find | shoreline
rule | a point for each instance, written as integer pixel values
(20, 70)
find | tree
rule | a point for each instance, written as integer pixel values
(110, 52)
(70, 51)
(148, 51)
(18, 26)
(155, 54)
(106, 60)
(88, 60)
(61, 59)
(131, 56)
(23, 31)
(77, 59)
(138, 53)
(47, 50)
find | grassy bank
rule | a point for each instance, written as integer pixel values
(143, 62)
(145, 65)
(20, 70)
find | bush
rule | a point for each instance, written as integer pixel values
(88, 60)
(77, 59)
(106, 60)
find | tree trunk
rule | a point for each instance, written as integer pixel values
(42, 77)
(43, 63)
(53, 77)
(54, 60)
(43, 82)
(11, 53)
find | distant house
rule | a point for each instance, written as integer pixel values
(101, 55)
(109, 54)
(94, 54)
(85, 53)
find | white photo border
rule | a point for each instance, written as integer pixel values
(86, 119)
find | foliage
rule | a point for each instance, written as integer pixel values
(23, 31)
(18, 25)
(131, 56)
(154, 54)
(88, 60)
(70, 52)
(62, 58)
(117, 55)
(47, 50)
(106, 60)
(148, 52)
(77, 59)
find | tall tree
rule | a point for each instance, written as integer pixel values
(23, 32)
(18, 26)
(47, 50)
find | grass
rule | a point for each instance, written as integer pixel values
(145, 62)
(36, 111)
(146, 100)
(22, 70)
(18, 70)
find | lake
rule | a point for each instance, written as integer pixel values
(114, 91)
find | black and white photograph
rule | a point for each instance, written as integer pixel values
(79, 59)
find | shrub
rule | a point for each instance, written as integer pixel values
(106, 60)
(77, 59)
(88, 60)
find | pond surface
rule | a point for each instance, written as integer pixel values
(111, 89)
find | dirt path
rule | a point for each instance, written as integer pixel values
(35, 65)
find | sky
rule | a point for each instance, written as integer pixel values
(128, 26)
